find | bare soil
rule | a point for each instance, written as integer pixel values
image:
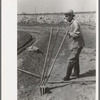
(82, 88)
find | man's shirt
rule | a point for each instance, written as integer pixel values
(76, 39)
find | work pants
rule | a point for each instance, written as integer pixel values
(73, 62)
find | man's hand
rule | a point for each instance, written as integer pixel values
(74, 34)
(71, 33)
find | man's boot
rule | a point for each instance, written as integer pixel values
(76, 69)
(68, 73)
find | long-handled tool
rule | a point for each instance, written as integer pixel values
(51, 67)
(27, 72)
(46, 70)
(44, 66)
(51, 55)
(43, 87)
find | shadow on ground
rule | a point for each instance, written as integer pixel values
(65, 83)
(90, 73)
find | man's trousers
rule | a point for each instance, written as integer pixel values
(73, 62)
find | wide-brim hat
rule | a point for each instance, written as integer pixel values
(70, 12)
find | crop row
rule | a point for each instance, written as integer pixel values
(33, 19)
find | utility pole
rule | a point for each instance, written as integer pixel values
(35, 10)
(35, 14)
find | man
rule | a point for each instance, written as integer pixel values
(76, 43)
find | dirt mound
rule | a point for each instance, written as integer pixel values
(24, 39)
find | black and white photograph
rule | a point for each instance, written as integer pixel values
(56, 49)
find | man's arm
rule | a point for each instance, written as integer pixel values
(76, 31)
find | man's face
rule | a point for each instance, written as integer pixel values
(69, 18)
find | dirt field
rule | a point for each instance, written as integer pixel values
(82, 88)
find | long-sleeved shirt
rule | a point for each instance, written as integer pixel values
(76, 39)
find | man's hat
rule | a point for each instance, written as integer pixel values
(70, 12)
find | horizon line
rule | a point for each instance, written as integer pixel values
(25, 13)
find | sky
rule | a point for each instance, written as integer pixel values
(54, 6)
